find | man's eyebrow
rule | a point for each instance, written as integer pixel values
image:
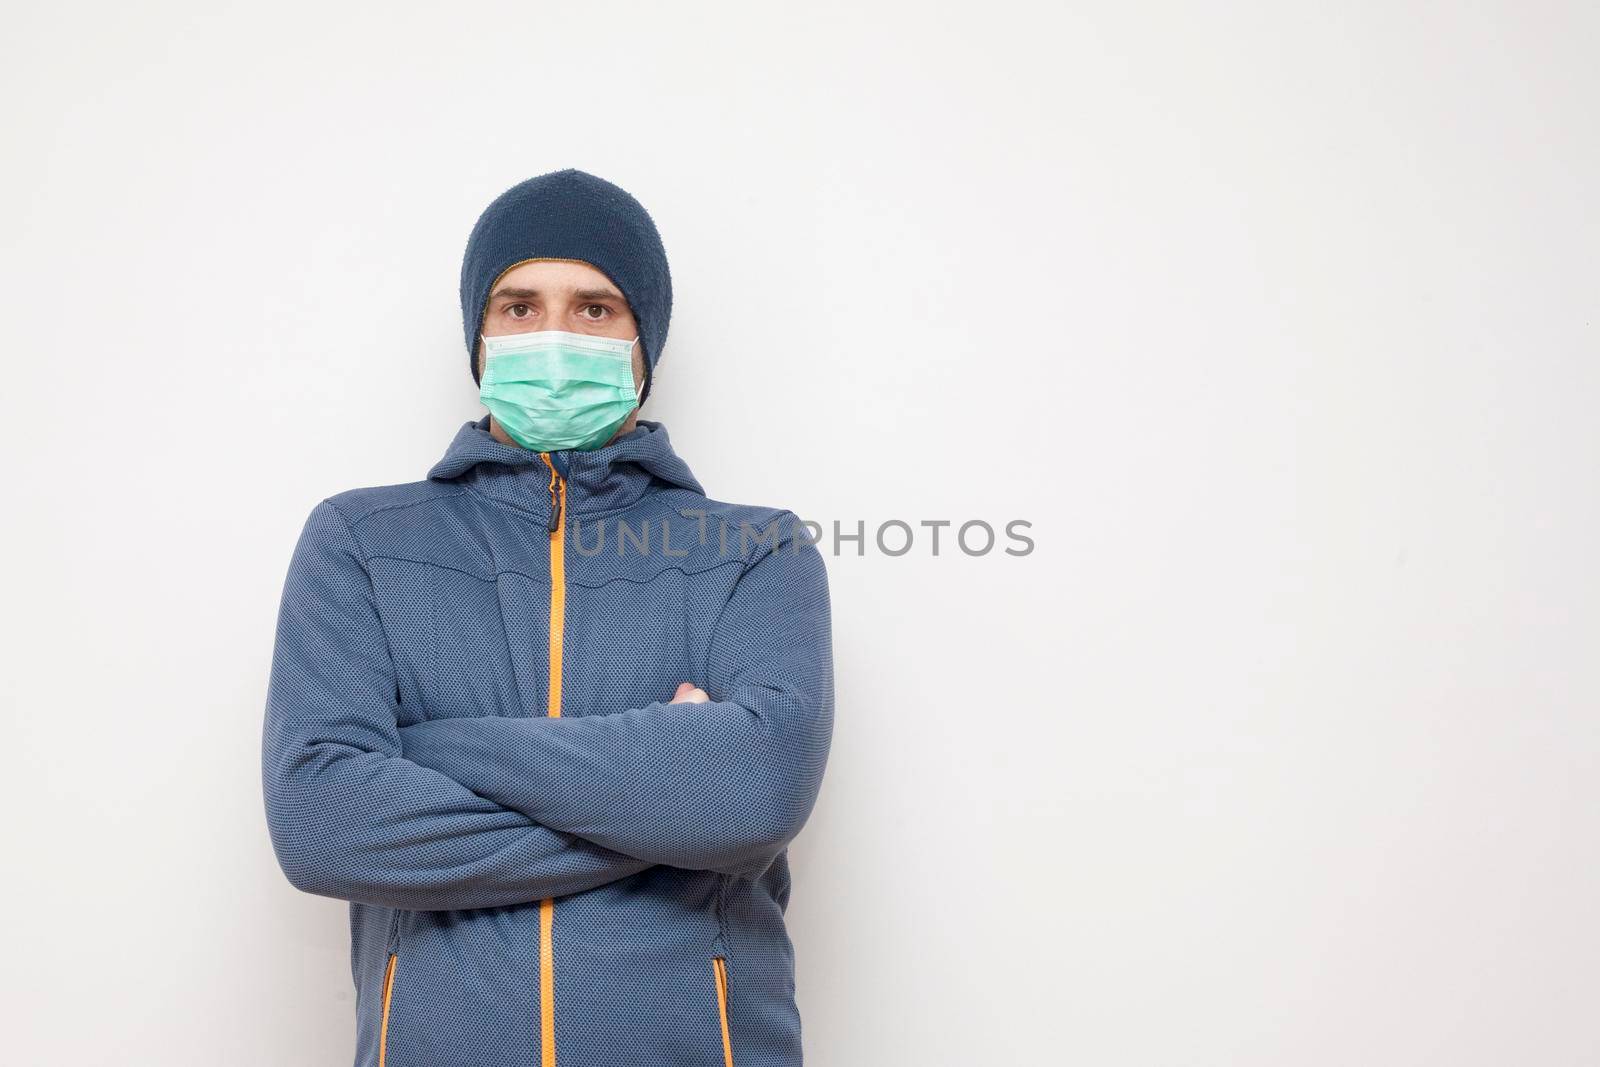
(507, 292)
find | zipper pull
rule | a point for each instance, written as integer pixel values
(555, 495)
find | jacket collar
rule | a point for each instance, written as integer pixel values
(600, 479)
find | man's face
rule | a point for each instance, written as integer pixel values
(559, 294)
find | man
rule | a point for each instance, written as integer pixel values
(550, 717)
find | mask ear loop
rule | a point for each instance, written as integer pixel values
(638, 390)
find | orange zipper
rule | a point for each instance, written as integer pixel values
(558, 619)
(719, 969)
(388, 993)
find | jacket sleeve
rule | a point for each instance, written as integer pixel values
(347, 815)
(722, 786)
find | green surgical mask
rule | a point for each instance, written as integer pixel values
(552, 389)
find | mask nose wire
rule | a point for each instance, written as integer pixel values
(484, 340)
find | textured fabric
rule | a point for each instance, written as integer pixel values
(409, 767)
(571, 214)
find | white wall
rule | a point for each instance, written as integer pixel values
(1277, 321)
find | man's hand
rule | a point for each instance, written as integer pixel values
(689, 694)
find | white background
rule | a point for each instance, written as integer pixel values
(1277, 321)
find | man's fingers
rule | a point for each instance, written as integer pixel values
(689, 694)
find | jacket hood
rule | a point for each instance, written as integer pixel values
(598, 479)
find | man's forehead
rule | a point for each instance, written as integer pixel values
(522, 283)
(526, 292)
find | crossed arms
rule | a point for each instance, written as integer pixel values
(487, 811)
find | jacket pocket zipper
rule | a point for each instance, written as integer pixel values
(719, 970)
(388, 993)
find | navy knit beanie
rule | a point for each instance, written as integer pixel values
(571, 214)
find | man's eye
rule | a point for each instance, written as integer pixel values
(518, 311)
(602, 307)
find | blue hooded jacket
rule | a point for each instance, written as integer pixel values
(468, 737)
